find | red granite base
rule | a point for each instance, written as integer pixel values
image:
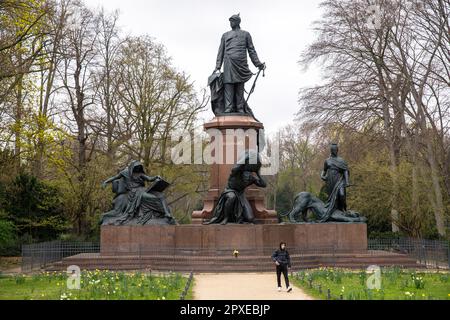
(200, 248)
(342, 237)
(220, 172)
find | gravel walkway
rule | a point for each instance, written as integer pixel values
(243, 286)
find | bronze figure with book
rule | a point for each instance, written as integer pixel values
(134, 203)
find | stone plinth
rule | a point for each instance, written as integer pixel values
(129, 240)
(219, 172)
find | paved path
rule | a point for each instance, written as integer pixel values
(243, 286)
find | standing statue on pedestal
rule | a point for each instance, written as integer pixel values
(227, 88)
(336, 176)
(135, 204)
(233, 206)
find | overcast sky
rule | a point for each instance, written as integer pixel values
(191, 32)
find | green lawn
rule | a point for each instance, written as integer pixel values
(95, 285)
(396, 284)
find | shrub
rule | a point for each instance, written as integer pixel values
(7, 232)
(8, 238)
(34, 207)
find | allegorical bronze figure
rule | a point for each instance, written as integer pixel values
(227, 89)
(324, 212)
(233, 206)
(134, 203)
(336, 176)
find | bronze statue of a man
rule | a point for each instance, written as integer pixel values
(233, 54)
(336, 175)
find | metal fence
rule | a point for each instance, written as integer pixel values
(187, 286)
(427, 253)
(226, 259)
(40, 255)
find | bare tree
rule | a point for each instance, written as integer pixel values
(107, 121)
(76, 74)
(156, 98)
(49, 65)
(389, 75)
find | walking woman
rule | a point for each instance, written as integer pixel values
(283, 262)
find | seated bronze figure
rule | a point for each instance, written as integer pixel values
(134, 204)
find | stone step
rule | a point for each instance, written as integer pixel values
(203, 268)
(233, 260)
(226, 263)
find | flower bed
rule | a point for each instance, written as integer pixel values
(394, 284)
(94, 285)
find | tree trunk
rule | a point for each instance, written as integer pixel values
(18, 123)
(439, 211)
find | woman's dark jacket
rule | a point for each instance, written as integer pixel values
(282, 256)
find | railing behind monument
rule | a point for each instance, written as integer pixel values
(40, 255)
(223, 260)
(428, 253)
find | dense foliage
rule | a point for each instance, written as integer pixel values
(78, 102)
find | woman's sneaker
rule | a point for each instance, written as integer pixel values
(289, 289)
(279, 289)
